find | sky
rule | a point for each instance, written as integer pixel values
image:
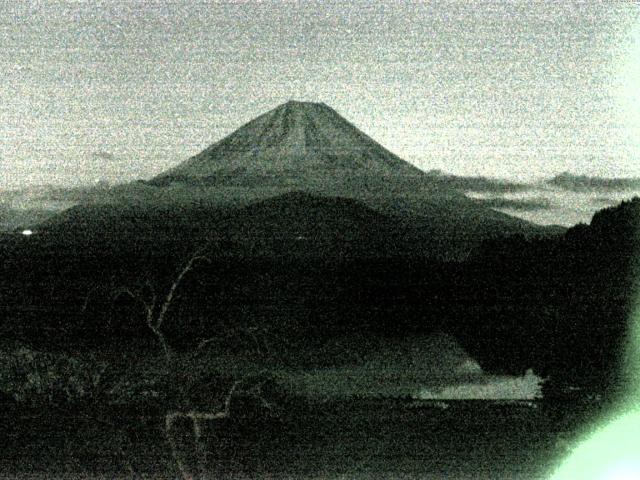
(122, 90)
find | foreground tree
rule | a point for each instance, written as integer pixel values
(155, 312)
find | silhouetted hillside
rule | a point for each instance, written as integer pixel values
(293, 224)
(305, 270)
(564, 305)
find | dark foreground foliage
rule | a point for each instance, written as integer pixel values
(85, 389)
(559, 306)
(358, 439)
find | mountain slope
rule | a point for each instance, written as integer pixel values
(295, 224)
(295, 141)
(308, 148)
(301, 146)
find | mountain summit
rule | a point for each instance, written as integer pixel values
(296, 141)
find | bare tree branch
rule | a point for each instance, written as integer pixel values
(169, 298)
(203, 343)
(127, 291)
(154, 321)
(262, 346)
(85, 304)
(109, 287)
(196, 418)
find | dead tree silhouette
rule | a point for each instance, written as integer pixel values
(155, 314)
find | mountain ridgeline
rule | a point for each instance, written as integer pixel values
(298, 152)
(296, 144)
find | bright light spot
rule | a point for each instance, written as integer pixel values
(612, 453)
(624, 471)
(27, 232)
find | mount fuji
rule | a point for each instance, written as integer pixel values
(297, 159)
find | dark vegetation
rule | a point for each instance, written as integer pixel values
(73, 346)
(366, 440)
(282, 284)
(107, 318)
(558, 305)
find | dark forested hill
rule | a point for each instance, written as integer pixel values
(565, 304)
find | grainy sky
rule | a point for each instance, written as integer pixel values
(118, 90)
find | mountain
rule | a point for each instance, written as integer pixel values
(297, 147)
(297, 144)
(309, 147)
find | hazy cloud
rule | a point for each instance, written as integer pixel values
(50, 198)
(10, 219)
(31, 205)
(605, 201)
(583, 183)
(480, 184)
(527, 205)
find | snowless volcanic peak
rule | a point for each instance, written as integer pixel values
(295, 139)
